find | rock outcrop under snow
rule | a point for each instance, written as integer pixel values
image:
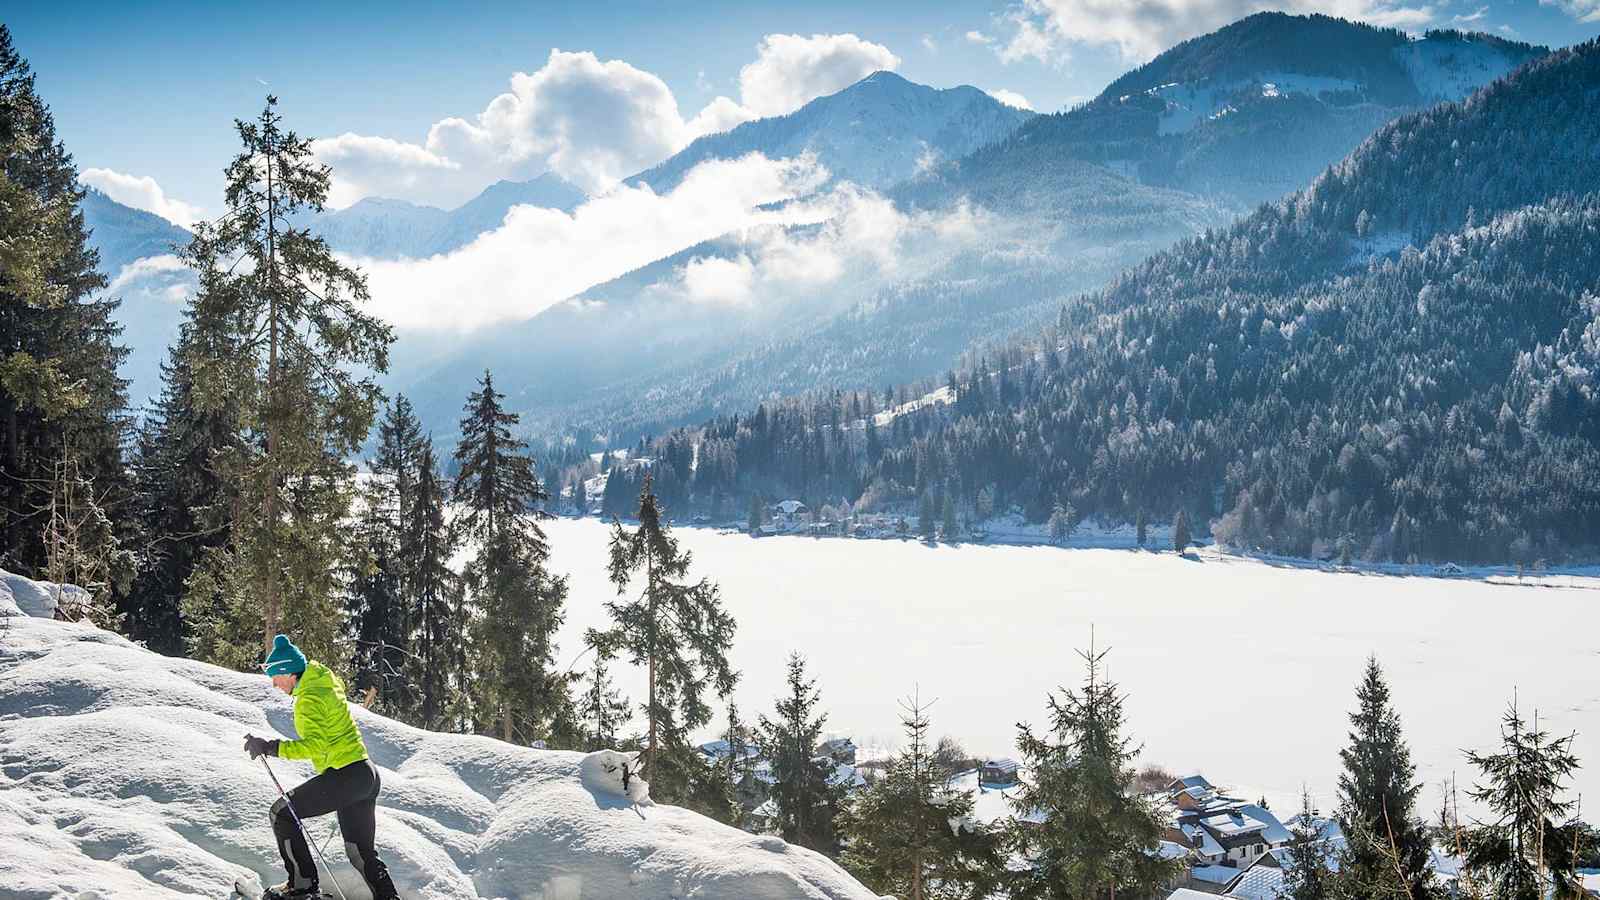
(122, 775)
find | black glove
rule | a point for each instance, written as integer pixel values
(259, 747)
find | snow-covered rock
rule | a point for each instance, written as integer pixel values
(122, 775)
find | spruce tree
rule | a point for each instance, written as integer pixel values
(1308, 875)
(740, 763)
(62, 404)
(280, 336)
(1387, 848)
(677, 629)
(181, 502)
(1096, 835)
(519, 603)
(603, 711)
(947, 527)
(380, 581)
(438, 630)
(1529, 849)
(1140, 527)
(806, 799)
(375, 605)
(1180, 532)
(910, 835)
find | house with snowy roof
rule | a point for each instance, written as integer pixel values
(1001, 772)
(840, 750)
(1225, 835)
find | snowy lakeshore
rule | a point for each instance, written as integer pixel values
(1241, 668)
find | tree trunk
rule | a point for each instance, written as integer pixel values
(650, 588)
(269, 503)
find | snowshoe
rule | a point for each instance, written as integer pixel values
(249, 890)
(284, 892)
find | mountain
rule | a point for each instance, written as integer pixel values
(123, 777)
(380, 228)
(123, 234)
(1251, 111)
(633, 356)
(1397, 360)
(881, 130)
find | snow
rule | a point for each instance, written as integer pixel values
(1450, 69)
(1191, 103)
(988, 630)
(122, 775)
(1260, 883)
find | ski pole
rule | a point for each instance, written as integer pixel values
(289, 805)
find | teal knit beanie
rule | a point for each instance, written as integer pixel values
(285, 658)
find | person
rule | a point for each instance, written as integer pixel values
(346, 782)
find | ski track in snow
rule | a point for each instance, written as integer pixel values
(122, 775)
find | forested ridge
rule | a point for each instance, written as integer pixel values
(1291, 378)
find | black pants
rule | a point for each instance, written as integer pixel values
(352, 792)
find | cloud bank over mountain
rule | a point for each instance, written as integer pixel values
(588, 120)
(142, 192)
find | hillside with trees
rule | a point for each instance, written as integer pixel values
(1397, 362)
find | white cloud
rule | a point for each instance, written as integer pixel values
(366, 166)
(791, 70)
(1046, 30)
(142, 192)
(145, 268)
(1582, 10)
(859, 240)
(978, 37)
(1010, 98)
(540, 257)
(591, 121)
(720, 114)
(929, 44)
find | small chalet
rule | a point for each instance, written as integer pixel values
(998, 773)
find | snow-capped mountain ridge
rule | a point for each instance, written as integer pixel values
(384, 228)
(875, 132)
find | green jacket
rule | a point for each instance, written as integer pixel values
(328, 735)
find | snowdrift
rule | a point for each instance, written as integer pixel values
(121, 775)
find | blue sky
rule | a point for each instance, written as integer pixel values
(148, 91)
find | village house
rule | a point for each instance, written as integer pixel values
(840, 750)
(999, 773)
(1223, 835)
(787, 515)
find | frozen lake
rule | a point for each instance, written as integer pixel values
(1239, 669)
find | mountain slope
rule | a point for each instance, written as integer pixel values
(123, 776)
(632, 356)
(1255, 109)
(878, 131)
(123, 234)
(1398, 360)
(379, 228)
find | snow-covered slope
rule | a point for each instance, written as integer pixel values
(876, 132)
(121, 775)
(379, 228)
